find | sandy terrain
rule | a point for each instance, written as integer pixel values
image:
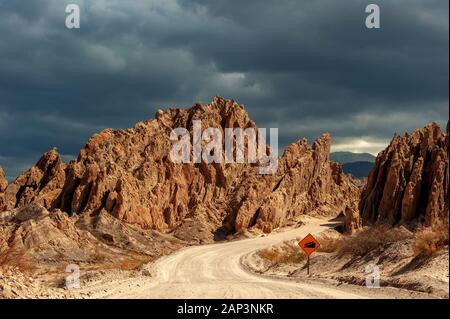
(397, 267)
(216, 271)
(208, 271)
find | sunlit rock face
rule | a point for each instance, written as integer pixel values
(409, 181)
(129, 175)
(40, 184)
(3, 185)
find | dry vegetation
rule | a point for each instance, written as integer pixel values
(425, 241)
(329, 244)
(373, 238)
(16, 259)
(287, 252)
(428, 240)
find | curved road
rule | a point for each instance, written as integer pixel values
(215, 271)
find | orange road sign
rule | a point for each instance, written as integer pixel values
(309, 244)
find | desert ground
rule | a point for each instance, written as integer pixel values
(137, 225)
(223, 270)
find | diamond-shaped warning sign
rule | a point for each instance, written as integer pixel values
(309, 244)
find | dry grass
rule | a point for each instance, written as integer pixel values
(131, 263)
(428, 240)
(372, 238)
(330, 244)
(288, 252)
(358, 244)
(17, 259)
(364, 241)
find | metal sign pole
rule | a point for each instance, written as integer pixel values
(308, 266)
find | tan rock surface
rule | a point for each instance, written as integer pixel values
(3, 185)
(128, 174)
(34, 239)
(352, 220)
(409, 182)
(306, 182)
(41, 184)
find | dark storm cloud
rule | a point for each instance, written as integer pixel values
(303, 66)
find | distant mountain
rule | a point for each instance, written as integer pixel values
(356, 164)
(358, 169)
(349, 157)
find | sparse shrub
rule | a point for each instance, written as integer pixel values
(428, 240)
(272, 254)
(129, 264)
(287, 252)
(330, 244)
(18, 260)
(357, 245)
(372, 238)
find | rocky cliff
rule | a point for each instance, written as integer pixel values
(409, 181)
(3, 186)
(129, 175)
(306, 182)
(40, 184)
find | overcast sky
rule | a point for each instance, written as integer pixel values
(305, 67)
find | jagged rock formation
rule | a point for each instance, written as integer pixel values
(40, 184)
(352, 220)
(306, 181)
(3, 186)
(409, 181)
(128, 174)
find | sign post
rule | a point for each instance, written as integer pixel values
(307, 269)
(309, 245)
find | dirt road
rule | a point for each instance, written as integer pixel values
(215, 271)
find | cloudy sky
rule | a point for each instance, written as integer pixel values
(303, 66)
